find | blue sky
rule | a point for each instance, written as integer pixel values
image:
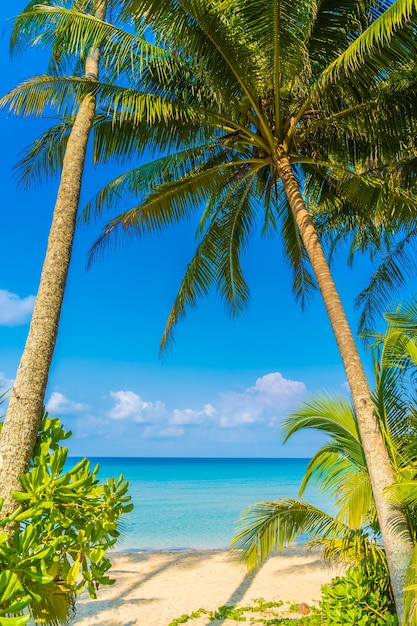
(225, 386)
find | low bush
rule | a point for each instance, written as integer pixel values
(66, 522)
(360, 598)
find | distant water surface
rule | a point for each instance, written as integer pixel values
(183, 503)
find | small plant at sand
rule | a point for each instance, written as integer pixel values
(66, 522)
(186, 617)
(266, 614)
(228, 612)
(360, 598)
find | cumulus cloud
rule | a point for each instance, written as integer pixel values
(266, 401)
(129, 405)
(274, 387)
(14, 310)
(58, 403)
(130, 417)
(190, 417)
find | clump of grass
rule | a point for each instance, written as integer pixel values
(185, 618)
(266, 611)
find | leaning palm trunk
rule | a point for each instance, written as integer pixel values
(398, 549)
(19, 432)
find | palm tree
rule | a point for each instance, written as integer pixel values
(25, 409)
(339, 468)
(78, 32)
(265, 108)
(275, 105)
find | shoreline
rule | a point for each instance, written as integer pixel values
(119, 549)
(153, 588)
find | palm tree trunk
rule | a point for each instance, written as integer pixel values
(398, 549)
(20, 428)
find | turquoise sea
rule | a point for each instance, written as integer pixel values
(187, 503)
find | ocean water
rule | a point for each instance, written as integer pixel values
(183, 503)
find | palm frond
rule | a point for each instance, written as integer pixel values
(354, 500)
(217, 258)
(410, 592)
(356, 548)
(171, 202)
(268, 526)
(330, 414)
(332, 27)
(392, 274)
(304, 283)
(44, 157)
(403, 493)
(34, 95)
(76, 32)
(141, 180)
(56, 606)
(201, 31)
(385, 43)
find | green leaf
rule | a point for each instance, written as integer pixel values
(19, 620)
(72, 575)
(97, 554)
(9, 585)
(18, 607)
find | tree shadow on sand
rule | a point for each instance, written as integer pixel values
(117, 601)
(111, 608)
(239, 593)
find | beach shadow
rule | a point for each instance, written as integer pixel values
(188, 559)
(246, 583)
(132, 579)
(101, 606)
(237, 595)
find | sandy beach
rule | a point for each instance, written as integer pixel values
(153, 588)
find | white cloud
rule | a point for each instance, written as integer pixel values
(58, 403)
(130, 405)
(267, 401)
(273, 388)
(190, 417)
(239, 418)
(15, 311)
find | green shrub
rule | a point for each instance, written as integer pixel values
(67, 520)
(360, 598)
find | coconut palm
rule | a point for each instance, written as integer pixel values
(338, 468)
(267, 108)
(276, 107)
(25, 407)
(77, 34)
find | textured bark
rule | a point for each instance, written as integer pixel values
(20, 429)
(398, 549)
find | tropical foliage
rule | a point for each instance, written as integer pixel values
(261, 112)
(325, 106)
(359, 598)
(68, 520)
(352, 535)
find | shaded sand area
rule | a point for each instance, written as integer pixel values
(153, 588)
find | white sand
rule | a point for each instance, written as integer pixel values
(153, 588)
